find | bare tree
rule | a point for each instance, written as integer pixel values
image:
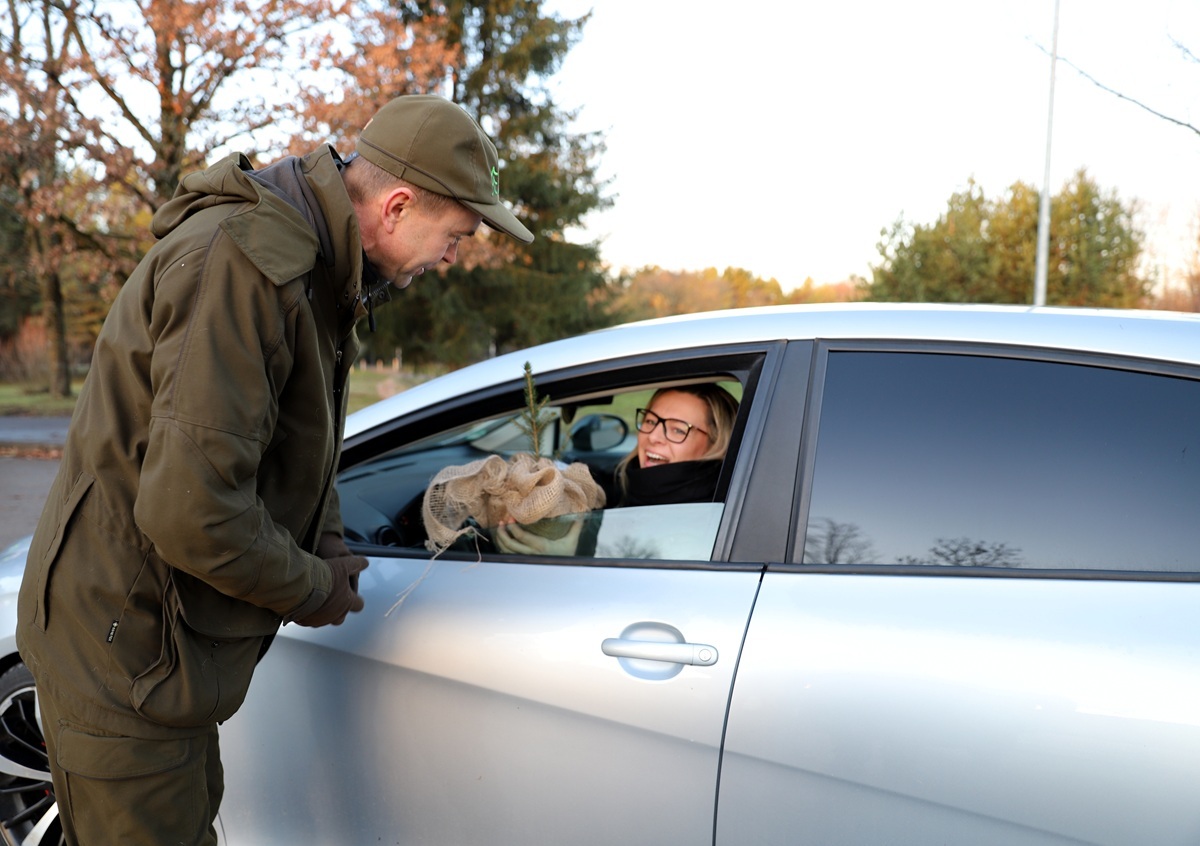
(1185, 296)
(378, 53)
(1173, 298)
(836, 543)
(107, 102)
(965, 552)
(154, 73)
(36, 128)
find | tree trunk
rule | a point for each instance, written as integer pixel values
(56, 335)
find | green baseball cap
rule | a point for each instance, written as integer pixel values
(431, 142)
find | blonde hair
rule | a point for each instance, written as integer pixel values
(722, 413)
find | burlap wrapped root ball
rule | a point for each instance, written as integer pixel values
(494, 490)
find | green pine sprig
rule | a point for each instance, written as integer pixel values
(534, 418)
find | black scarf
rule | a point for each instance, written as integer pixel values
(665, 484)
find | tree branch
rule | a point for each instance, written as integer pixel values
(1187, 54)
(1124, 97)
(94, 72)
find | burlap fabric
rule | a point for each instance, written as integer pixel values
(492, 490)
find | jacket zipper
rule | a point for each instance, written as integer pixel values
(339, 384)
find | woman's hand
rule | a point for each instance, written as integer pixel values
(515, 539)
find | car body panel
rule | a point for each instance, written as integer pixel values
(482, 710)
(12, 569)
(927, 710)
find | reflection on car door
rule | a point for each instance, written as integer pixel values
(988, 633)
(993, 712)
(483, 710)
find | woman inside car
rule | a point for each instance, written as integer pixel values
(683, 435)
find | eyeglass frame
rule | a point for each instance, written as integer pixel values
(639, 419)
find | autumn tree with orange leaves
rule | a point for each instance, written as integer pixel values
(374, 55)
(655, 292)
(107, 103)
(141, 91)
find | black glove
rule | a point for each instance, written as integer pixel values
(332, 546)
(343, 592)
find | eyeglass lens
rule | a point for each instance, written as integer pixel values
(676, 431)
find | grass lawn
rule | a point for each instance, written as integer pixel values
(18, 399)
(367, 386)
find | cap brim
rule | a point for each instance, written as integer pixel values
(497, 216)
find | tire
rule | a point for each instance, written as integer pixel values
(28, 812)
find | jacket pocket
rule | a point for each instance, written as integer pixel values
(104, 757)
(58, 521)
(199, 679)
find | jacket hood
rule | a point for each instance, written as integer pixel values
(276, 238)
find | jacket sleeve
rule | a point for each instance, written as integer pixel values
(221, 356)
(333, 516)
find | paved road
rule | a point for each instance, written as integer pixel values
(26, 471)
(23, 486)
(33, 431)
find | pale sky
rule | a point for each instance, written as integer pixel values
(781, 136)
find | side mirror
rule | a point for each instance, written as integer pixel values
(598, 433)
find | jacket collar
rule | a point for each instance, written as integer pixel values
(344, 259)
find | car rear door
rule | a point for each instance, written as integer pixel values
(987, 633)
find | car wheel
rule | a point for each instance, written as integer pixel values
(28, 813)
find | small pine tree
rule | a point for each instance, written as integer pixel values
(534, 417)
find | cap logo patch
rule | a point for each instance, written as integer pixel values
(495, 182)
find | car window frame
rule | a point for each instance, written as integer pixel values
(753, 364)
(811, 438)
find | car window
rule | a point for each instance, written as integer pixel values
(684, 531)
(966, 460)
(381, 499)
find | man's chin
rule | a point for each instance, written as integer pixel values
(402, 281)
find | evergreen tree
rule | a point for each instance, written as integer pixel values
(506, 296)
(983, 251)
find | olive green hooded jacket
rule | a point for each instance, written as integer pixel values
(198, 471)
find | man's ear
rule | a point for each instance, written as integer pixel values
(394, 204)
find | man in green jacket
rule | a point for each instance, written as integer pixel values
(194, 510)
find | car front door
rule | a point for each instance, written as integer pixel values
(488, 699)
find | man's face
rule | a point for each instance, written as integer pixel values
(424, 235)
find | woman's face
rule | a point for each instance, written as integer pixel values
(653, 447)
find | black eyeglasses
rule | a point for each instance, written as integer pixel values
(676, 431)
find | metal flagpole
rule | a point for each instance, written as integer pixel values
(1043, 236)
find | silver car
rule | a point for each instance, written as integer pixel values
(946, 592)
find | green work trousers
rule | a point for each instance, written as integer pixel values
(130, 790)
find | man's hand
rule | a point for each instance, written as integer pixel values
(343, 596)
(332, 546)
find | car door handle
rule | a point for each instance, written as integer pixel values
(700, 654)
